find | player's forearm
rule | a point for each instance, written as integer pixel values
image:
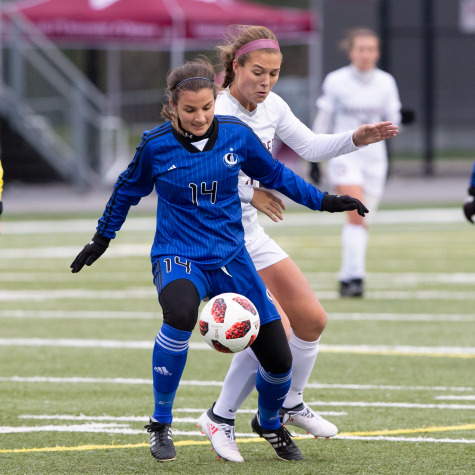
(294, 187)
(321, 147)
(246, 193)
(115, 214)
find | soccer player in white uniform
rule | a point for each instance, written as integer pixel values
(252, 63)
(358, 94)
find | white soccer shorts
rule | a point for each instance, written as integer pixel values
(353, 170)
(264, 251)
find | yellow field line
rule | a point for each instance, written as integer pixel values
(396, 353)
(410, 431)
(241, 441)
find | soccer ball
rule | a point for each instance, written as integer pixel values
(229, 323)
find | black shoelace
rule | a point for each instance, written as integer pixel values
(159, 427)
(283, 437)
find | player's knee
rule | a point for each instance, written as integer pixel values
(312, 326)
(181, 318)
(278, 362)
(281, 365)
(180, 301)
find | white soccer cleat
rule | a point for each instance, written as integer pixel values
(221, 436)
(302, 416)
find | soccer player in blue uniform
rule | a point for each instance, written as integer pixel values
(193, 163)
(469, 206)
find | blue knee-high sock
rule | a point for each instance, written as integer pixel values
(169, 359)
(272, 389)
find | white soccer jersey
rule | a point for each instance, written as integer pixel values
(352, 98)
(274, 118)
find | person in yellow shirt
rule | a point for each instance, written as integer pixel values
(1, 189)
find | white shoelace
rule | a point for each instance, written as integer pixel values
(230, 434)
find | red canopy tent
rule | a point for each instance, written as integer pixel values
(166, 25)
(102, 21)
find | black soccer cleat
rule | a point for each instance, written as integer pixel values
(352, 288)
(161, 442)
(280, 440)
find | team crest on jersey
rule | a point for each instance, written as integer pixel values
(230, 159)
(269, 296)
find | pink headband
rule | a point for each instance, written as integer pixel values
(257, 44)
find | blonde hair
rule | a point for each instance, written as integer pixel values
(239, 36)
(348, 41)
(199, 68)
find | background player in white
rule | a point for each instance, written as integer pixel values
(252, 61)
(355, 95)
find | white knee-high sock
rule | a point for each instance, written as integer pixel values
(238, 384)
(304, 354)
(354, 241)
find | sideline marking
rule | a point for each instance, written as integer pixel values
(457, 398)
(345, 436)
(82, 417)
(393, 317)
(120, 315)
(403, 295)
(406, 405)
(409, 431)
(407, 216)
(435, 351)
(149, 292)
(401, 317)
(46, 379)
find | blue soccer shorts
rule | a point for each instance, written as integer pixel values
(238, 276)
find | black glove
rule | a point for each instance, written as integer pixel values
(90, 253)
(1, 208)
(469, 206)
(337, 204)
(315, 172)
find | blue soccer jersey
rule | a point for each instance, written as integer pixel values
(199, 211)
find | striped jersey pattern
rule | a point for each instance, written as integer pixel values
(198, 210)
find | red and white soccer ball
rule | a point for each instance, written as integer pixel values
(229, 323)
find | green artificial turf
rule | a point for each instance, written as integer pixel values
(403, 262)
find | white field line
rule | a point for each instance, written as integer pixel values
(121, 429)
(119, 315)
(150, 292)
(404, 405)
(399, 278)
(382, 438)
(417, 216)
(384, 387)
(379, 279)
(403, 295)
(457, 398)
(70, 252)
(400, 317)
(111, 428)
(76, 294)
(82, 417)
(83, 343)
(81, 277)
(147, 345)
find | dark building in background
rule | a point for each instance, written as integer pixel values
(408, 31)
